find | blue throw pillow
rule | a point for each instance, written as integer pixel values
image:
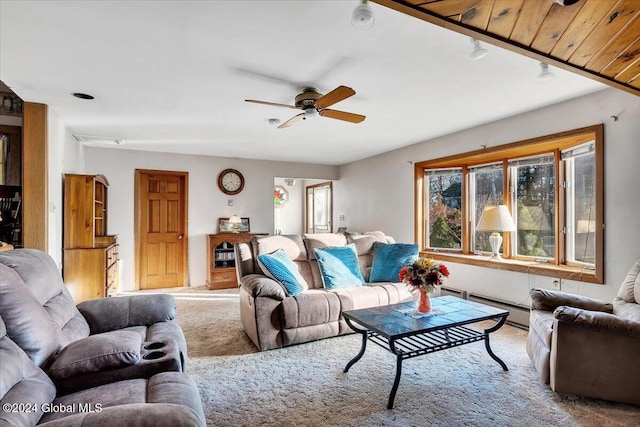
(282, 269)
(388, 259)
(339, 266)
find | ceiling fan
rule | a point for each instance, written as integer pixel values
(312, 102)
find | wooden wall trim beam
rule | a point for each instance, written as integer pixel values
(418, 10)
(35, 176)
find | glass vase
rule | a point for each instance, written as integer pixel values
(424, 303)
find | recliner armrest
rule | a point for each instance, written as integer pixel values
(597, 320)
(548, 300)
(108, 314)
(258, 285)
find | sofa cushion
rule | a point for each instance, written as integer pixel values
(100, 352)
(626, 310)
(362, 297)
(630, 289)
(27, 323)
(388, 259)
(21, 383)
(310, 308)
(175, 389)
(280, 268)
(365, 242)
(42, 278)
(292, 245)
(339, 266)
(322, 240)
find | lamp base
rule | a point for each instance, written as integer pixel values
(495, 240)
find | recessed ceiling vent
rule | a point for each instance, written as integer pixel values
(97, 140)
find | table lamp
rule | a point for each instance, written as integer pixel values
(235, 222)
(496, 219)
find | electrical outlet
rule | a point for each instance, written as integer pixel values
(556, 284)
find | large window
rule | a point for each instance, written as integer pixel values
(553, 188)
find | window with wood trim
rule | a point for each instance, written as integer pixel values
(553, 187)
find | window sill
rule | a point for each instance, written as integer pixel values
(540, 269)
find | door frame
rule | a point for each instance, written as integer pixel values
(138, 226)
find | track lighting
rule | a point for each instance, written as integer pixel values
(545, 75)
(362, 17)
(478, 51)
(566, 2)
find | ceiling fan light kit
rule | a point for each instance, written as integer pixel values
(313, 103)
(362, 17)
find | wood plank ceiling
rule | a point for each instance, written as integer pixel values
(599, 39)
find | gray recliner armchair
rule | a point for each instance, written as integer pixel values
(28, 397)
(100, 341)
(588, 347)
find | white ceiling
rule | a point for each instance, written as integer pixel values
(172, 76)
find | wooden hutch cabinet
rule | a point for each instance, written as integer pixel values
(90, 259)
(221, 264)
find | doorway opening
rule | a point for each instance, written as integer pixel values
(301, 205)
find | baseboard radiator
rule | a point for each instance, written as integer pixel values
(518, 314)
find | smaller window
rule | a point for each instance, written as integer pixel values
(580, 186)
(534, 199)
(486, 188)
(444, 207)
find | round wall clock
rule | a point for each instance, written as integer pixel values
(230, 181)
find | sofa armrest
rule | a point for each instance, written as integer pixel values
(548, 300)
(595, 354)
(108, 314)
(258, 285)
(598, 321)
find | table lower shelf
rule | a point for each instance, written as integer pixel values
(428, 342)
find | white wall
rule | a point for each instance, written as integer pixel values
(65, 156)
(377, 193)
(206, 202)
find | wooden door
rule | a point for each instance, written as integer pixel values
(161, 224)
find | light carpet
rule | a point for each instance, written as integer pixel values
(304, 385)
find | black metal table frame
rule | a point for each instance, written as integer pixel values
(418, 344)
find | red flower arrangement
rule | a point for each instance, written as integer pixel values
(424, 273)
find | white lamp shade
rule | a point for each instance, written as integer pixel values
(235, 219)
(496, 218)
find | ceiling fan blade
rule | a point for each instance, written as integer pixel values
(273, 104)
(342, 115)
(291, 121)
(336, 95)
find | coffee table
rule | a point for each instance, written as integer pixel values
(398, 329)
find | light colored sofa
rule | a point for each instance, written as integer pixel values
(110, 361)
(588, 347)
(272, 318)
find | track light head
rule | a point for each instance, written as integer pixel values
(362, 17)
(545, 75)
(478, 51)
(566, 2)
